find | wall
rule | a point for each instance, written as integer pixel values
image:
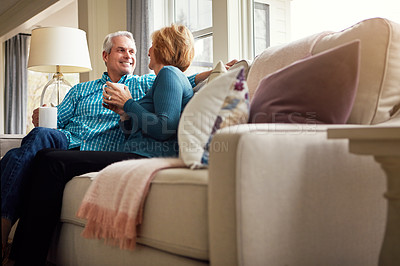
(20, 12)
(99, 18)
(2, 122)
(227, 17)
(233, 30)
(65, 17)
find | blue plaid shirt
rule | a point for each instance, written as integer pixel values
(90, 126)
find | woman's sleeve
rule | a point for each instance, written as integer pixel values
(126, 127)
(167, 98)
(147, 80)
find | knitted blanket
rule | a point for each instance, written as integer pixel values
(113, 204)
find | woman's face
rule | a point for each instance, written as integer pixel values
(153, 61)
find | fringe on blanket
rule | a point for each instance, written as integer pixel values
(113, 204)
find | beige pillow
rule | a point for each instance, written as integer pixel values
(218, 70)
(378, 94)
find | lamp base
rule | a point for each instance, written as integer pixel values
(54, 91)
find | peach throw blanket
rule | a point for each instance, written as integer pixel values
(113, 204)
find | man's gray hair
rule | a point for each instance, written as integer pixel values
(107, 44)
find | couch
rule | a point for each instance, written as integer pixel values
(273, 194)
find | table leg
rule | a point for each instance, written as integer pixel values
(390, 252)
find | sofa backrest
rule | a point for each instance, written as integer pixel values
(378, 93)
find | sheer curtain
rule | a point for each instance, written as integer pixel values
(16, 84)
(140, 23)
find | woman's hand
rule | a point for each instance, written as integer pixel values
(203, 75)
(114, 98)
(230, 64)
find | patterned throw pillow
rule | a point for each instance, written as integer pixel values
(221, 103)
(246, 64)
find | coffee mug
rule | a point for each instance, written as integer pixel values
(48, 117)
(118, 85)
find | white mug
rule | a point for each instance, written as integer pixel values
(48, 117)
(118, 85)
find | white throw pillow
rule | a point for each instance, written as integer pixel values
(220, 103)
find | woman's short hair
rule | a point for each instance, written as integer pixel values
(174, 46)
(107, 44)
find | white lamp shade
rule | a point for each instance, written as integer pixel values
(59, 46)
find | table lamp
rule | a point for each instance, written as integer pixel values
(58, 50)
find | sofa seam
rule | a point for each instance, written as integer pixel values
(239, 206)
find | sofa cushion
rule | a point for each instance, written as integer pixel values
(378, 94)
(175, 211)
(318, 89)
(222, 102)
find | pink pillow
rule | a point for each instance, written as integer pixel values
(318, 89)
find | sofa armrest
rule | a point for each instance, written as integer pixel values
(289, 196)
(9, 141)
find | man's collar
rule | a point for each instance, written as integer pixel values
(123, 80)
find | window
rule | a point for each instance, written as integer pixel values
(271, 23)
(261, 27)
(197, 16)
(242, 29)
(312, 16)
(281, 21)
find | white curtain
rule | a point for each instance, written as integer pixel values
(140, 23)
(16, 84)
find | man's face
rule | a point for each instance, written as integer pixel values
(122, 58)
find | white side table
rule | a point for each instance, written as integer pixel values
(384, 144)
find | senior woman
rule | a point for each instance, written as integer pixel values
(150, 126)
